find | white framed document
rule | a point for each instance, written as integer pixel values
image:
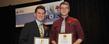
(41, 40)
(65, 38)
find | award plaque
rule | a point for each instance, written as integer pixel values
(65, 38)
(41, 40)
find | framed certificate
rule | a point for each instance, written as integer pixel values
(65, 38)
(41, 40)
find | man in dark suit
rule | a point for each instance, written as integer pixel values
(66, 24)
(35, 28)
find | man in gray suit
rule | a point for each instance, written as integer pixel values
(35, 28)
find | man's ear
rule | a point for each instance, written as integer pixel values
(45, 14)
(69, 10)
(34, 14)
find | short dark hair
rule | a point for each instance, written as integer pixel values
(40, 7)
(65, 3)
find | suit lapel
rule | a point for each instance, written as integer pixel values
(45, 30)
(36, 29)
(59, 23)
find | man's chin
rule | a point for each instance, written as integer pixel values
(40, 20)
(64, 15)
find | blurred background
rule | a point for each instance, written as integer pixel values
(92, 15)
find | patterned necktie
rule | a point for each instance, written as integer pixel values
(41, 30)
(63, 26)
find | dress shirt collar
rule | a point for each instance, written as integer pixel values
(38, 22)
(64, 17)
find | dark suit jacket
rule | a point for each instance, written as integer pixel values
(72, 25)
(30, 31)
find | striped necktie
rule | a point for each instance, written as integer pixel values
(63, 26)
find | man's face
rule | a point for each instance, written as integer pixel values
(64, 9)
(40, 14)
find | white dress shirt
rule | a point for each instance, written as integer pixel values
(63, 25)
